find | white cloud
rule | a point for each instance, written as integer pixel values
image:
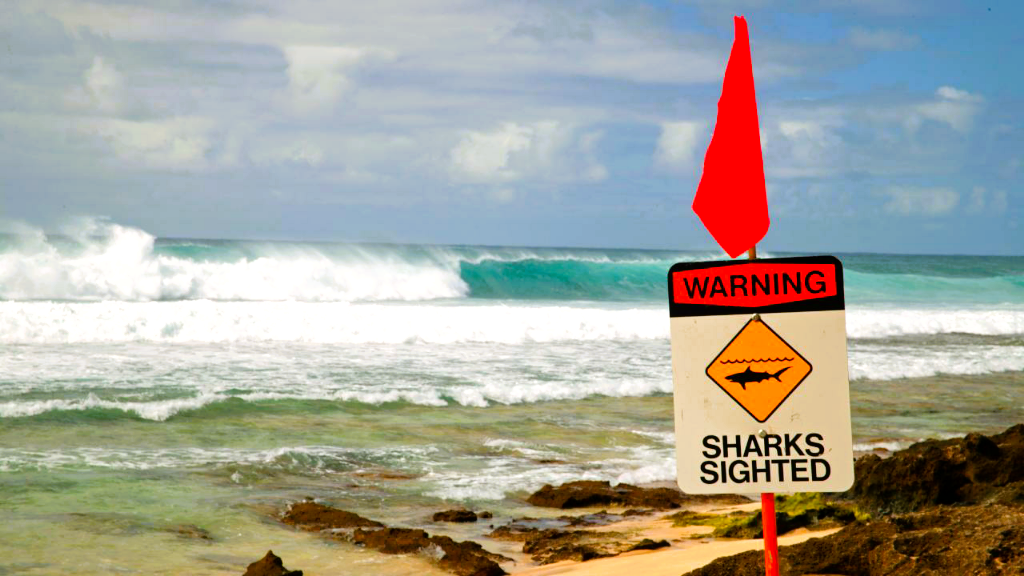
(546, 150)
(811, 147)
(678, 146)
(917, 201)
(821, 139)
(103, 88)
(880, 39)
(951, 106)
(449, 38)
(485, 156)
(318, 76)
(180, 143)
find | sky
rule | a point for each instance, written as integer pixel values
(886, 125)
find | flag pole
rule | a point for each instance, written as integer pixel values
(771, 540)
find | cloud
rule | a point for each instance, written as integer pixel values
(678, 145)
(808, 147)
(881, 39)
(546, 150)
(102, 91)
(177, 144)
(951, 106)
(622, 42)
(909, 138)
(318, 76)
(916, 201)
(484, 156)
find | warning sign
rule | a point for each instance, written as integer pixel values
(773, 369)
(760, 370)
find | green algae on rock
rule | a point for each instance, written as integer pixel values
(801, 510)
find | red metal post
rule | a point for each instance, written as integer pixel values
(771, 542)
(771, 538)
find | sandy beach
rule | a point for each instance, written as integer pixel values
(667, 562)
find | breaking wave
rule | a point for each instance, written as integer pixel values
(97, 260)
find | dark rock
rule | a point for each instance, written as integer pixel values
(547, 545)
(591, 493)
(977, 540)
(468, 558)
(270, 565)
(392, 540)
(574, 553)
(455, 516)
(485, 514)
(460, 558)
(315, 517)
(190, 531)
(513, 532)
(969, 470)
(602, 518)
(648, 544)
(637, 512)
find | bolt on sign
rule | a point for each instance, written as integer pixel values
(762, 393)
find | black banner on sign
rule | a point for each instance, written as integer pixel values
(801, 284)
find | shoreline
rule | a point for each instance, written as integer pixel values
(952, 503)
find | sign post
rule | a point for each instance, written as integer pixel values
(768, 531)
(759, 366)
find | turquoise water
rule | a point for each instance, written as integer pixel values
(153, 383)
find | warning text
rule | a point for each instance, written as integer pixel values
(736, 459)
(753, 285)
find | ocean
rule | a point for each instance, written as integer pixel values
(153, 387)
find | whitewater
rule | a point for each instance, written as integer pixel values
(209, 308)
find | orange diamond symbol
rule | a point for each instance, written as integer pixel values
(758, 369)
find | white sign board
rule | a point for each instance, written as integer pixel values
(762, 393)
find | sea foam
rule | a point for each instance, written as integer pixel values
(208, 321)
(340, 322)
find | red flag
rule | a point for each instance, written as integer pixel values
(730, 198)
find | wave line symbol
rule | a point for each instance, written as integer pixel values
(748, 361)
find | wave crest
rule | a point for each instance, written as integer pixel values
(101, 261)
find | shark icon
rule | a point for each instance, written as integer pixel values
(748, 376)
